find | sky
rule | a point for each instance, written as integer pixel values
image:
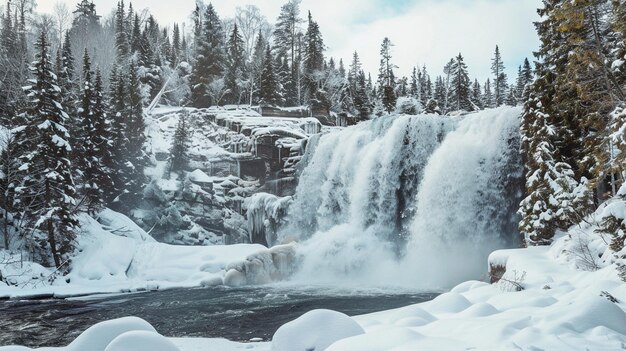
(426, 32)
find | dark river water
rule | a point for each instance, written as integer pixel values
(235, 314)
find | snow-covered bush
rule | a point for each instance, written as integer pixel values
(408, 106)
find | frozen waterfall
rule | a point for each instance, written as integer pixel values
(407, 200)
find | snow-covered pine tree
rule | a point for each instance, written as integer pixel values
(426, 90)
(103, 164)
(459, 98)
(82, 149)
(47, 194)
(500, 85)
(353, 72)
(362, 102)
(179, 157)
(122, 45)
(269, 90)
(117, 107)
(555, 199)
(236, 67)
(524, 78)
(511, 98)
(69, 82)
(386, 77)
(135, 133)
(488, 100)
(440, 94)
(210, 59)
(92, 152)
(314, 66)
(477, 95)
(414, 88)
(287, 42)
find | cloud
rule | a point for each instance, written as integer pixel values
(424, 31)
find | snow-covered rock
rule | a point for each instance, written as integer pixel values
(315, 331)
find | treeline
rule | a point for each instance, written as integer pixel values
(288, 67)
(573, 130)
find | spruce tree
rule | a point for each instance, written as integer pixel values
(386, 78)
(269, 89)
(179, 157)
(135, 132)
(47, 194)
(122, 45)
(488, 100)
(236, 69)
(103, 164)
(459, 98)
(210, 59)
(477, 96)
(499, 79)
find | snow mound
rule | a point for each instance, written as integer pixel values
(377, 341)
(141, 341)
(99, 336)
(315, 331)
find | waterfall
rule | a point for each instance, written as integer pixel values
(365, 176)
(407, 200)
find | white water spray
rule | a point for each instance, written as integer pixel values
(418, 201)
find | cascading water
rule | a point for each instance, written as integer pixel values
(409, 200)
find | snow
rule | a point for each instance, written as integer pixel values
(141, 340)
(315, 330)
(135, 334)
(126, 261)
(200, 177)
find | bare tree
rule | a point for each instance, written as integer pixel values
(250, 22)
(63, 18)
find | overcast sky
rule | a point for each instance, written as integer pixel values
(424, 31)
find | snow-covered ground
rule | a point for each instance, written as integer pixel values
(544, 301)
(118, 256)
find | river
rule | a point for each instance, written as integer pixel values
(236, 314)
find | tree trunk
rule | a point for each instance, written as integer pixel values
(53, 244)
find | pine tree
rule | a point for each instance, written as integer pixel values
(459, 98)
(47, 194)
(414, 89)
(524, 78)
(269, 88)
(440, 94)
(103, 164)
(488, 100)
(122, 45)
(386, 78)
(135, 132)
(287, 37)
(477, 96)
(179, 157)
(499, 78)
(314, 66)
(82, 148)
(425, 88)
(69, 84)
(236, 66)
(210, 59)
(555, 199)
(176, 54)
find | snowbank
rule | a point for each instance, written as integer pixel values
(135, 334)
(108, 262)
